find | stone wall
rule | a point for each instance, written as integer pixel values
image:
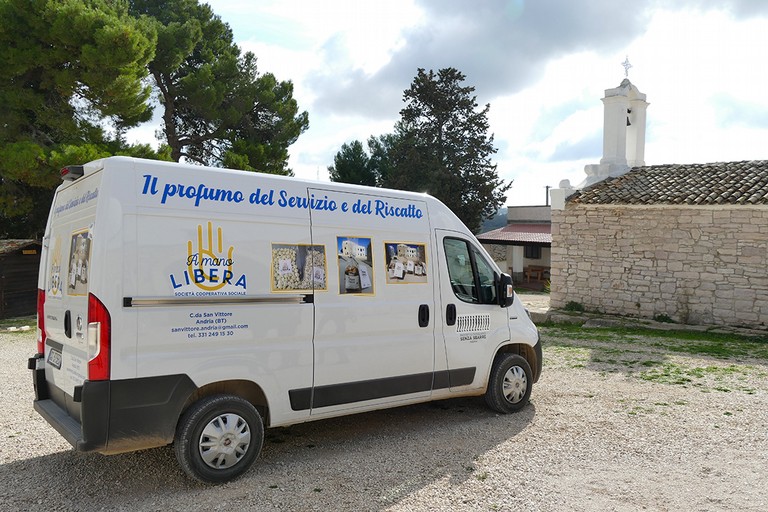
(694, 264)
(498, 252)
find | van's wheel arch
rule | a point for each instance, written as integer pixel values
(218, 438)
(510, 383)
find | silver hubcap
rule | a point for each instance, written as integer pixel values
(224, 441)
(515, 384)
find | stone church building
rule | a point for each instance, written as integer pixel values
(682, 242)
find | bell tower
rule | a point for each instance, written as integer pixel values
(624, 127)
(624, 119)
(624, 109)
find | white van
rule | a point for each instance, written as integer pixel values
(197, 306)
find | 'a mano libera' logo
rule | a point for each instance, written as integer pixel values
(208, 266)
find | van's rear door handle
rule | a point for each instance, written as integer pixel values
(450, 314)
(423, 315)
(68, 324)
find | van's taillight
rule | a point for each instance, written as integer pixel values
(40, 321)
(99, 339)
(71, 172)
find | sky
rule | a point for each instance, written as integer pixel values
(542, 65)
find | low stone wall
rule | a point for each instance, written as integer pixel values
(693, 264)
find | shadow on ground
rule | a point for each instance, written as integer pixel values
(360, 462)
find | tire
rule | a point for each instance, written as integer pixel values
(218, 438)
(509, 386)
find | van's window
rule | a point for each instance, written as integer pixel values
(485, 275)
(472, 277)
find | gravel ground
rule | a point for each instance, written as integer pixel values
(619, 425)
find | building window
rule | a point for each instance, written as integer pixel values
(532, 252)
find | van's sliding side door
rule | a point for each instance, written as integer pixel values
(375, 324)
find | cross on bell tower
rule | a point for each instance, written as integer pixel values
(626, 65)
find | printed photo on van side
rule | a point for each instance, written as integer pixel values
(54, 272)
(79, 262)
(405, 262)
(355, 265)
(299, 267)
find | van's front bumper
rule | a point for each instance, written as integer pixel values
(113, 416)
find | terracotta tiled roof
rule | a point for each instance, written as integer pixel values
(693, 184)
(512, 234)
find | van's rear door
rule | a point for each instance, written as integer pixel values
(67, 271)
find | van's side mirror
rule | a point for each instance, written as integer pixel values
(506, 290)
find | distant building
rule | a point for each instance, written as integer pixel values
(351, 249)
(682, 242)
(523, 243)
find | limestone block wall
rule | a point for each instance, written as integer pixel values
(498, 252)
(694, 264)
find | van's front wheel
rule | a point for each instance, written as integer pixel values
(219, 438)
(509, 386)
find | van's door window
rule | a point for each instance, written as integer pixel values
(472, 277)
(485, 276)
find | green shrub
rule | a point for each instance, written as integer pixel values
(664, 318)
(574, 306)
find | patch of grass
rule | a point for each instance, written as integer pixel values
(709, 378)
(636, 410)
(719, 345)
(20, 321)
(668, 373)
(482, 476)
(664, 318)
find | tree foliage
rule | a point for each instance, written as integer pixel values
(440, 146)
(217, 109)
(443, 148)
(77, 74)
(380, 160)
(352, 165)
(71, 68)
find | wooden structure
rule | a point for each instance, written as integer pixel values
(19, 264)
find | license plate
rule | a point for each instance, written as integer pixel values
(54, 358)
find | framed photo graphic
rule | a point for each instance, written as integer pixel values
(355, 265)
(406, 262)
(299, 267)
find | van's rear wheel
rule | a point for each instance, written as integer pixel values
(219, 438)
(509, 386)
